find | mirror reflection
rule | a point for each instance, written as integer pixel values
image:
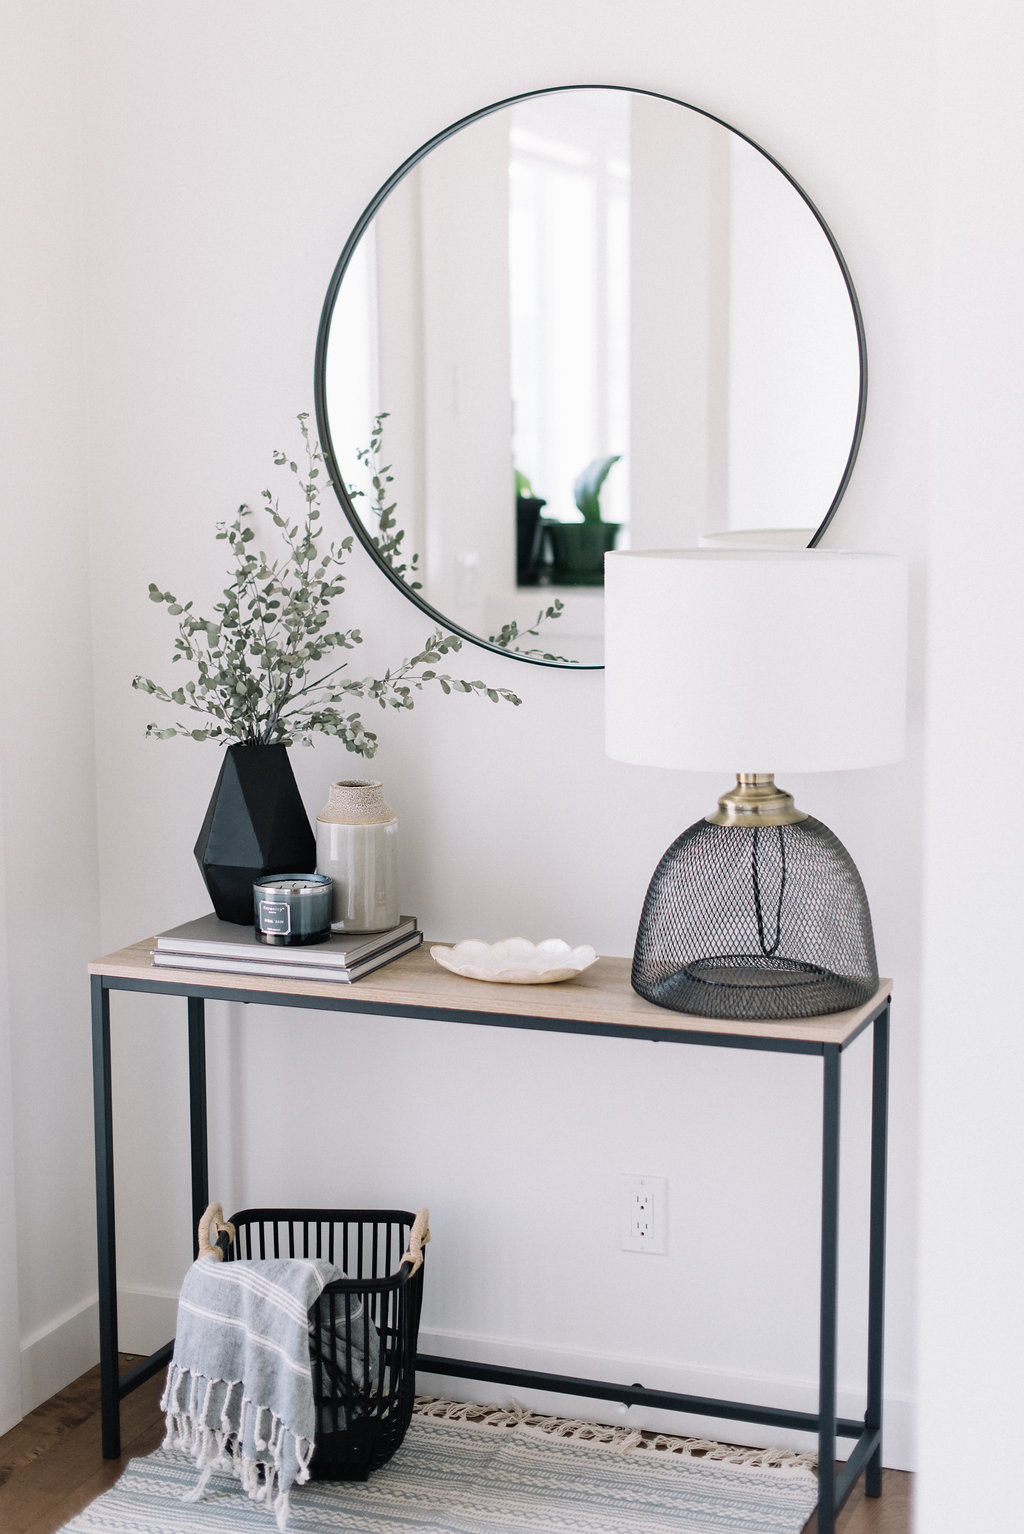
(592, 318)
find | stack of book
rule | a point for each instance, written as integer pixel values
(222, 945)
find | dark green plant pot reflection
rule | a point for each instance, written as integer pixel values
(578, 550)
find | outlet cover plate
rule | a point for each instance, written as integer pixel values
(644, 1213)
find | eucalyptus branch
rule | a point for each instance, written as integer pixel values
(388, 538)
(507, 635)
(267, 732)
(254, 662)
(316, 686)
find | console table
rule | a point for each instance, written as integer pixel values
(601, 1003)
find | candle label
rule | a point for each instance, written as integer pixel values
(274, 916)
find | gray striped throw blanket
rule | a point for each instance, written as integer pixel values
(239, 1394)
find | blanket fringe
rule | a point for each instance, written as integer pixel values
(219, 1448)
(622, 1439)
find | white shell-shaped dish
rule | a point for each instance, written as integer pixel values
(516, 961)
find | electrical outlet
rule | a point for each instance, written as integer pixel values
(644, 1203)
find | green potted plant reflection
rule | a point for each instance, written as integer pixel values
(578, 548)
(528, 509)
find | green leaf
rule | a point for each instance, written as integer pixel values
(587, 486)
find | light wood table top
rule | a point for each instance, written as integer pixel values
(599, 1000)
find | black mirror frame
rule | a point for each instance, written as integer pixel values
(320, 362)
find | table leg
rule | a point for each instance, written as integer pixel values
(827, 1413)
(197, 1113)
(876, 1274)
(110, 1415)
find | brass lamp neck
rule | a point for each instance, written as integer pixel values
(755, 801)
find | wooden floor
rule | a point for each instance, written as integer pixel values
(51, 1465)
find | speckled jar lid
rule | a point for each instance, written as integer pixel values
(354, 802)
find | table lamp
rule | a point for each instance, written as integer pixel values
(742, 661)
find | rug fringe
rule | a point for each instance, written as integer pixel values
(624, 1440)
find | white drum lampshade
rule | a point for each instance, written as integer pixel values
(755, 662)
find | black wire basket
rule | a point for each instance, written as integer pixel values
(363, 1328)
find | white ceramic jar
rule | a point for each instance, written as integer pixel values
(357, 846)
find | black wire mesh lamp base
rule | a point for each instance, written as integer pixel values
(757, 912)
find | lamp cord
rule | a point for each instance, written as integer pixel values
(755, 869)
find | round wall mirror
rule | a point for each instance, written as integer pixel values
(580, 319)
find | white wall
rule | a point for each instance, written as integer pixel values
(679, 329)
(467, 415)
(794, 368)
(50, 898)
(10, 1328)
(972, 1335)
(229, 152)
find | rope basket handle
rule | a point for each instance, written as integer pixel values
(418, 1238)
(215, 1234)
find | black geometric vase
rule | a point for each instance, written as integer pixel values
(256, 825)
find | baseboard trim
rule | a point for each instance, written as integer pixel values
(55, 1356)
(795, 1395)
(146, 1319)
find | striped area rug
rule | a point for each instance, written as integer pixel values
(505, 1474)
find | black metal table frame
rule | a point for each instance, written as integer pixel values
(834, 1486)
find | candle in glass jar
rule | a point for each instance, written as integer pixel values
(293, 908)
